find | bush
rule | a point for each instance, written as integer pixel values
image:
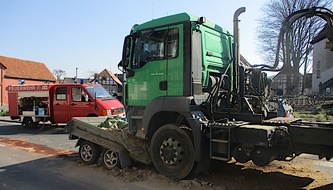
(4, 112)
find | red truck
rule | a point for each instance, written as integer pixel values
(58, 103)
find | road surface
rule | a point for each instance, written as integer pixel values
(44, 158)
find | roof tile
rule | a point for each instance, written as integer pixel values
(25, 69)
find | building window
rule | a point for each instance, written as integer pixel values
(318, 69)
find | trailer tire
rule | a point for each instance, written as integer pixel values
(110, 159)
(89, 152)
(172, 152)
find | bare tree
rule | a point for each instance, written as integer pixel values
(58, 73)
(302, 33)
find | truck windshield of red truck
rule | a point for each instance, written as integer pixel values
(98, 92)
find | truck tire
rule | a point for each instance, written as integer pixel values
(172, 152)
(28, 122)
(89, 152)
(110, 159)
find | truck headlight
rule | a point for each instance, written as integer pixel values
(118, 111)
(107, 113)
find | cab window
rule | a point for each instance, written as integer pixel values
(61, 93)
(155, 45)
(78, 95)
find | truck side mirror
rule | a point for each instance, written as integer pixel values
(126, 52)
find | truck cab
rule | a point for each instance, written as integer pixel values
(173, 66)
(84, 100)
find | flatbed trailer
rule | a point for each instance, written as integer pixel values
(117, 147)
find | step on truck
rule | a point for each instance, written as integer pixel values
(59, 103)
(192, 99)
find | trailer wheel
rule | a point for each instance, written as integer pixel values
(89, 152)
(110, 159)
(172, 152)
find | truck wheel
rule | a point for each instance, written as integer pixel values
(28, 122)
(110, 159)
(240, 154)
(89, 152)
(262, 156)
(172, 152)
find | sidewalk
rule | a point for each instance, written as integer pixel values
(3, 107)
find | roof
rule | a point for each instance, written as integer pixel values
(106, 72)
(71, 80)
(321, 35)
(25, 69)
(244, 62)
(176, 18)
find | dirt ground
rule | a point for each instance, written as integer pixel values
(299, 173)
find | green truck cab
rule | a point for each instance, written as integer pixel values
(173, 65)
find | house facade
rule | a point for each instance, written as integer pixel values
(15, 71)
(279, 84)
(110, 82)
(322, 77)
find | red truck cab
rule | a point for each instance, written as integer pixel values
(59, 103)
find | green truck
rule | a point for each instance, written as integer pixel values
(192, 100)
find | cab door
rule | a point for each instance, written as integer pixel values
(61, 104)
(78, 102)
(148, 75)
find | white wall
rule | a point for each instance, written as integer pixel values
(325, 56)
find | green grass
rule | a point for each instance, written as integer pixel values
(321, 116)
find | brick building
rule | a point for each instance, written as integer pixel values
(14, 71)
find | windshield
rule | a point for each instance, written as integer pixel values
(99, 90)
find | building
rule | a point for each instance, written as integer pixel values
(279, 84)
(110, 82)
(322, 77)
(15, 71)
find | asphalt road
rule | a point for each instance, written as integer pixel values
(31, 158)
(44, 158)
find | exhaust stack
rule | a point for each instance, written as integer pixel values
(236, 47)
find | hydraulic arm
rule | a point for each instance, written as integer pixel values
(321, 12)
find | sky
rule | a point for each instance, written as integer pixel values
(88, 35)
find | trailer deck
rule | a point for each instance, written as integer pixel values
(116, 140)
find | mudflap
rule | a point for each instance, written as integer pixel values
(201, 143)
(204, 161)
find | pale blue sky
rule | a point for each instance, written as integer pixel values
(88, 35)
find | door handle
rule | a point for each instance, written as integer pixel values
(73, 104)
(57, 104)
(163, 85)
